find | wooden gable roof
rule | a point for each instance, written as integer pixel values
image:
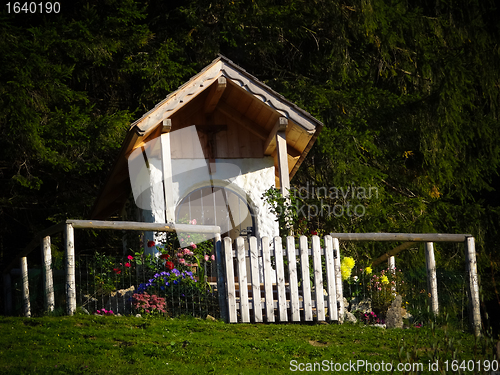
(224, 96)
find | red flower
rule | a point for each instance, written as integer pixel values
(169, 265)
(151, 243)
(314, 233)
(117, 271)
(164, 256)
(130, 257)
(128, 264)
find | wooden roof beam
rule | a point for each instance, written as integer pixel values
(242, 120)
(270, 144)
(214, 95)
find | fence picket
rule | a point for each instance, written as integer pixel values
(318, 279)
(330, 279)
(338, 280)
(242, 279)
(280, 279)
(268, 281)
(254, 269)
(306, 282)
(293, 284)
(231, 293)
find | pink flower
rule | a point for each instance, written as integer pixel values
(193, 222)
(182, 261)
(130, 257)
(186, 251)
(128, 264)
(179, 255)
(212, 257)
(193, 245)
(206, 257)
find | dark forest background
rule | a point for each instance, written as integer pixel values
(409, 93)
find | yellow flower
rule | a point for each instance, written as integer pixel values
(349, 262)
(368, 270)
(384, 280)
(345, 271)
(346, 266)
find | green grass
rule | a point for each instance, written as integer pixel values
(119, 345)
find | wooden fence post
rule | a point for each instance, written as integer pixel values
(242, 279)
(391, 263)
(254, 270)
(473, 287)
(231, 292)
(330, 278)
(69, 239)
(48, 283)
(268, 280)
(293, 282)
(280, 279)
(431, 277)
(25, 288)
(318, 279)
(7, 294)
(306, 282)
(338, 280)
(221, 281)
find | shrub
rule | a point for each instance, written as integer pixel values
(145, 303)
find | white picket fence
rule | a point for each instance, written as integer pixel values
(281, 293)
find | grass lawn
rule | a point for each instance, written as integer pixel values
(85, 344)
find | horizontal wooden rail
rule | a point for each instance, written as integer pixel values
(411, 237)
(113, 225)
(133, 225)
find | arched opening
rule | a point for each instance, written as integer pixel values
(216, 205)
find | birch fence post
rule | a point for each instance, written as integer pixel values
(25, 287)
(48, 283)
(69, 239)
(473, 287)
(431, 277)
(338, 280)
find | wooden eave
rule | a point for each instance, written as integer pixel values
(221, 89)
